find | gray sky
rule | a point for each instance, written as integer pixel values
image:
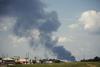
(80, 25)
(78, 31)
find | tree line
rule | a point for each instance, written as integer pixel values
(95, 59)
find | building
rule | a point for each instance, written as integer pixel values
(8, 61)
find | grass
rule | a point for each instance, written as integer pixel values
(68, 64)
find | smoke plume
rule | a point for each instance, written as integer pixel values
(35, 24)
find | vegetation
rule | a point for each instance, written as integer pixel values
(68, 64)
(95, 59)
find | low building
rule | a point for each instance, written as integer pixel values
(8, 61)
(49, 62)
(22, 61)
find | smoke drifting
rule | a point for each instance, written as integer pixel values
(34, 23)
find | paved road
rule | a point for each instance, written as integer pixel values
(3, 65)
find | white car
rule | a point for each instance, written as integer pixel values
(0, 61)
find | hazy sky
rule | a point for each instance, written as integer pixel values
(74, 26)
(80, 25)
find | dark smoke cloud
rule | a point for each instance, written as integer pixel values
(31, 15)
(62, 53)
